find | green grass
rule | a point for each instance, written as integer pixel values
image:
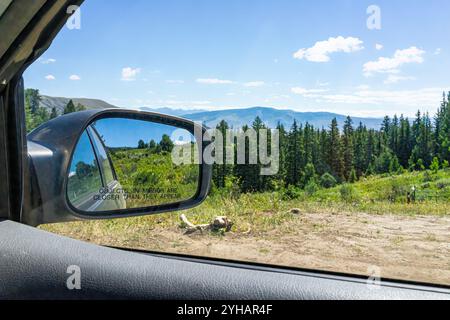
(387, 195)
(140, 171)
(260, 213)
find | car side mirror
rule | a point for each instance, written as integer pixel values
(115, 163)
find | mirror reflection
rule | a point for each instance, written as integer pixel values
(127, 164)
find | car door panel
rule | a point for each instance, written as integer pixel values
(34, 266)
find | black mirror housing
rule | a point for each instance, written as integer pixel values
(50, 151)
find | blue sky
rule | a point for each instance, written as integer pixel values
(288, 54)
(117, 132)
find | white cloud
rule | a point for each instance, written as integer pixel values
(75, 77)
(438, 51)
(321, 51)
(175, 81)
(176, 104)
(180, 102)
(379, 46)
(392, 65)
(214, 81)
(50, 77)
(254, 84)
(48, 61)
(308, 93)
(392, 78)
(410, 99)
(279, 97)
(129, 74)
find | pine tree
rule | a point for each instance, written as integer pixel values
(371, 148)
(80, 107)
(308, 143)
(293, 157)
(394, 135)
(141, 144)
(244, 172)
(360, 149)
(221, 169)
(166, 144)
(442, 131)
(385, 132)
(33, 99)
(54, 113)
(281, 176)
(423, 149)
(335, 159)
(29, 121)
(347, 145)
(41, 116)
(152, 145)
(323, 153)
(404, 142)
(70, 108)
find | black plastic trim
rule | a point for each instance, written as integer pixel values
(59, 137)
(395, 283)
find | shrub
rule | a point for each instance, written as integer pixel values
(292, 193)
(311, 188)
(398, 191)
(310, 174)
(420, 165)
(394, 166)
(427, 176)
(434, 165)
(327, 181)
(348, 193)
(353, 177)
(445, 164)
(146, 177)
(232, 188)
(387, 163)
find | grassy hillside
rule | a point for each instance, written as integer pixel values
(387, 194)
(60, 103)
(151, 178)
(380, 195)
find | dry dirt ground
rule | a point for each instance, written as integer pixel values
(403, 247)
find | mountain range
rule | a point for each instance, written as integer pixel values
(271, 117)
(235, 118)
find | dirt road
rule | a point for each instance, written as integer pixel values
(403, 247)
(415, 248)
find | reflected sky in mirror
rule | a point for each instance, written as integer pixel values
(119, 132)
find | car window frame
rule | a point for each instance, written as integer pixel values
(92, 131)
(102, 180)
(321, 273)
